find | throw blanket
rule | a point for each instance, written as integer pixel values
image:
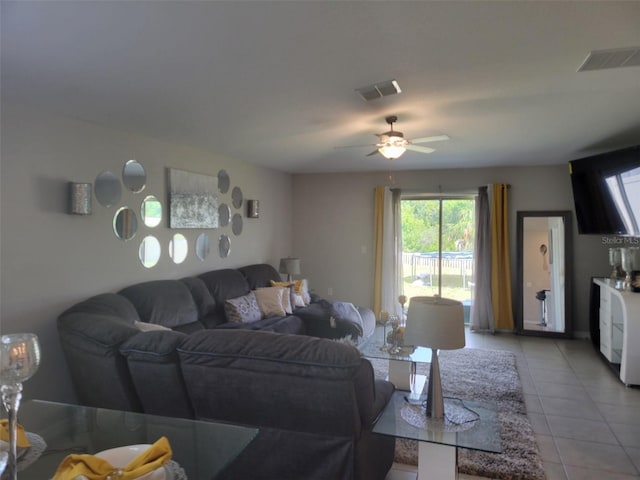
(347, 311)
(320, 310)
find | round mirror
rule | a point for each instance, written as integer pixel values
(236, 224)
(125, 223)
(178, 248)
(223, 181)
(151, 211)
(149, 251)
(236, 197)
(107, 189)
(203, 246)
(134, 176)
(224, 214)
(224, 246)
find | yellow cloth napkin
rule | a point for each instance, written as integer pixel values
(95, 468)
(23, 442)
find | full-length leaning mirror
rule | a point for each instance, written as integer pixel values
(544, 273)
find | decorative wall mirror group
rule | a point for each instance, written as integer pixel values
(108, 192)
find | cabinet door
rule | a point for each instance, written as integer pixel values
(605, 323)
(617, 329)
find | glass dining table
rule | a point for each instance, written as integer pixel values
(202, 449)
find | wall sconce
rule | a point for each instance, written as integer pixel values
(253, 208)
(80, 198)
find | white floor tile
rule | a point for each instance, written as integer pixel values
(597, 456)
(587, 423)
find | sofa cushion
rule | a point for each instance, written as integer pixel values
(244, 309)
(164, 302)
(225, 284)
(259, 275)
(264, 352)
(201, 295)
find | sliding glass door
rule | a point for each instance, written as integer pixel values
(437, 243)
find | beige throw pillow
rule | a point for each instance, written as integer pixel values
(270, 301)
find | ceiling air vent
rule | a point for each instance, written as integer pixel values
(613, 58)
(378, 90)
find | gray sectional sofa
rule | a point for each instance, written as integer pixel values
(314, 400)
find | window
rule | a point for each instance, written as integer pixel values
(437, 242)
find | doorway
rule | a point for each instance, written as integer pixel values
(437, 247)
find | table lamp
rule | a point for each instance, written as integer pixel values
(436, 323)
(290, 266)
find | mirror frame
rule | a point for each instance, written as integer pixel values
(568, 273)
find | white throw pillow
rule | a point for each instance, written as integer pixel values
(148, 327)
(286, 300)
(302, 288)
(298, 301)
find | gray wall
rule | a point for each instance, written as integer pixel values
(50, 259)
(333, 218)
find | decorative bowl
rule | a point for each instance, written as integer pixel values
(120, 456)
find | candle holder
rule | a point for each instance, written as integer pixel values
(384, 321)
(19, 361)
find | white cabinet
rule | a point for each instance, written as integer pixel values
(620, 330)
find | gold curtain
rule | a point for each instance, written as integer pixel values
(378, 229)
(500, 263)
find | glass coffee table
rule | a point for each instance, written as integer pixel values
(401, 364)
(470, 424)
(202, 449)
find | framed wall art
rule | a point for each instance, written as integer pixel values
(193, 202)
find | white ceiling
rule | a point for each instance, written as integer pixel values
(273, 83)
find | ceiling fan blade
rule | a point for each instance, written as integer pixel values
(435, 138)
(372, 153)
(419, 148)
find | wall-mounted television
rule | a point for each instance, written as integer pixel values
(606, 192)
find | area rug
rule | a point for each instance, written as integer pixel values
(487, 376)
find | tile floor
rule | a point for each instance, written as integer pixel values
(587, 422)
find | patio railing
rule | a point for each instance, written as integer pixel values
(425, 265)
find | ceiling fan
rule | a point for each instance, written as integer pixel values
(392, 144)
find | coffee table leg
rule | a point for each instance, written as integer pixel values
(400, 374)
(437, 462)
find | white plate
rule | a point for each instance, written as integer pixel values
(119, 457)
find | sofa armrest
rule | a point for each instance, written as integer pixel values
(155, 370)
(372, 394)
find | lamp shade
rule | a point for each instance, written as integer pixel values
(290, 266)
(435, 322)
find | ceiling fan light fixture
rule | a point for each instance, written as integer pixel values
(392, 151)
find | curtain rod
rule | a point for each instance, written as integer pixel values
(416, 193)
(422, 193)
